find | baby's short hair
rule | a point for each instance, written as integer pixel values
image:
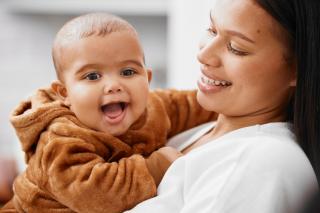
(92, 24)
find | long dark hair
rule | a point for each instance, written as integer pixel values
(301, 19)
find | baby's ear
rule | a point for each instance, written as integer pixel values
(61, 91)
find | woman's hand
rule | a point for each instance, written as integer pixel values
(8, 172)
(159, 161)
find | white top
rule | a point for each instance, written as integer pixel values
(253, 169)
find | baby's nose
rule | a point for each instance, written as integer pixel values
(114, 90)
(113, 87)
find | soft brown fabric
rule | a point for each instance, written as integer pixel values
(75, 169)
(8, 208)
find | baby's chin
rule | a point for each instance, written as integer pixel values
(124, 127)
(116, 130)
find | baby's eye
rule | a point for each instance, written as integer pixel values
(127, 72)
(92, 76)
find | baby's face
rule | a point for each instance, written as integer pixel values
(106, 81)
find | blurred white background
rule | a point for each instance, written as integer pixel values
(169, 30)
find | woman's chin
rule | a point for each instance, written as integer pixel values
(206, 103)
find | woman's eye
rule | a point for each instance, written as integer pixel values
(127, 72)
(92, 76)
(212, 31)
(235, 51)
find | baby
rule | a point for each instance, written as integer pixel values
(88, 139)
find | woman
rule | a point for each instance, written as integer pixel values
(260, 68)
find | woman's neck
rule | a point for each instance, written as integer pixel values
(227, 124)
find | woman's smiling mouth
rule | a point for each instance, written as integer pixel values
(208, 85)
(213, 82)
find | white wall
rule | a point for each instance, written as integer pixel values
(188, 21)
(25, 65)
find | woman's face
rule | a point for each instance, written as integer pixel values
(244, 70)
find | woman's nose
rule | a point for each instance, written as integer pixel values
(209, 53)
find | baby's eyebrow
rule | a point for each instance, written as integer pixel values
(83, 68)
(132, 61)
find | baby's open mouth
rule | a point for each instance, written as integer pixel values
(114, 110)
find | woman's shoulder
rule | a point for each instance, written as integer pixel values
(273, 151)
(268, 154)
(263, 148)
(275, 141)
(275, 136)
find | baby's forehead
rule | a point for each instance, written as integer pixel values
(74, 32)
(87, 26)
(70, 39)
(99, 24)
(118, 41)
(71, 36)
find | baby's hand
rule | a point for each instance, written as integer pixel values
(159, 161)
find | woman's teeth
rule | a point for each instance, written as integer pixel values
(215, 82)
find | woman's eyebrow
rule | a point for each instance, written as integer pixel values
(240, 35)
(211, 17)
(232, 32)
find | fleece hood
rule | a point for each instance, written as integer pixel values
(32, 117)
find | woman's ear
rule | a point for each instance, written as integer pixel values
(149, 72)
(61, 91)
(293, 81)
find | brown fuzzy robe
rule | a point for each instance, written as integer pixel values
(72, 168)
